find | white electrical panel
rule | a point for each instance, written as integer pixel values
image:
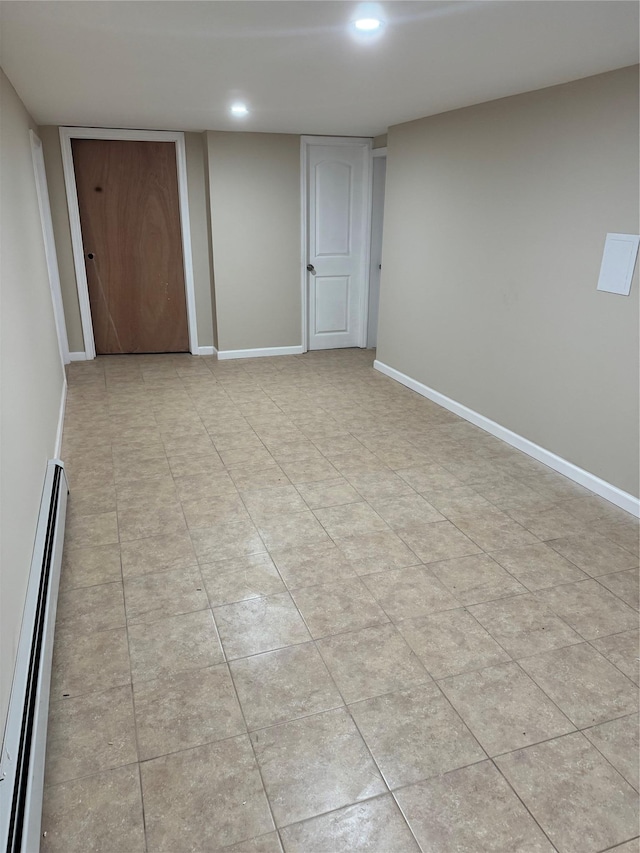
(618, 263)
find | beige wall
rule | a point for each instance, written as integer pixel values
(380, 141)
(31, 375)
(199, 235)
(495, 221)
(255, 220)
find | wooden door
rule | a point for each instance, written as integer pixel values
(130, 218)
(337, 177)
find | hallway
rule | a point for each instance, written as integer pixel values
(304, 609)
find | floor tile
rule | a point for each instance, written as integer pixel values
(493, 530)
(476, 579)
(523, 625)
(414, 734)
(90, 566)
(451, 642)
(173, 645)
(273, 500)
(594, 554)
(590, 609)
(312, 564)
(438, 541)
(89, 733)
(625, 585)
(279, 686)
(269, 843)
(622, 650)
(226, 541)
(423, 478)
(618, 741)
(538, 566)
(221, 509)
(154, 492)
(260, 625)
(101, 813)
(338, 607)
(376, 552)
(375, 826)
(292, 531)
(91, 608)
(470, 810)
(204, 798)
(90, 531)
(456, 501)
(411, 592)
(585, 686)
(161, 594)
(142, 522)
(370, 662)
(379, 485)
(185, 710)
(504, 708)
(310, 471)
(579, 800)
(408, 511)
(239, 580)
(302, 777)
(328, 493)
(157, 554)
(83, 662)
(350, 520)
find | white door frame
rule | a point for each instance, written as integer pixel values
(305, 142)
(42, 191)
(69, 133)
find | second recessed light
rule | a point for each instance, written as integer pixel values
(239, 110)
(367, 25)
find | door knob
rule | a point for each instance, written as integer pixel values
(311, 269)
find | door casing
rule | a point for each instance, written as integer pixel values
(305, 142)
(69, 133)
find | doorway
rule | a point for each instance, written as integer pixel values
(377, 221)
(336, 194)
(128, 210)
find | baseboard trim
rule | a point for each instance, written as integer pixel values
(77, 356)
(258, 353)
(63, 404)
(207, 351)
(600, 487)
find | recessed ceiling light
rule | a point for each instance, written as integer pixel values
(367, 25)
(239, 109)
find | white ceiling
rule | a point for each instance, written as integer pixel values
(178, 65)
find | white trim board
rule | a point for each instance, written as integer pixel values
(207, 351)
(265, 352)
(77, 356)
(51, 256)
(69, 133)
(63, 404)
(600, 487)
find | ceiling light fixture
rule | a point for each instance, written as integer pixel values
(367, 25)
(239, 110)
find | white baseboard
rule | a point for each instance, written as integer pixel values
(63, 403)
(609, 492)
(77, 356)
(207, 351)
(258, 353)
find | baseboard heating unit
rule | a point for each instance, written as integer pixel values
(25, 736)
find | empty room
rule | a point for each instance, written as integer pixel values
(320, 426)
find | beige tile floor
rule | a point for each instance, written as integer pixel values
(304, 609)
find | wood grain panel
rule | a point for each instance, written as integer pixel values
(130, 217)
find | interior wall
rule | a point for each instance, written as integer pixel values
(380, 141)
(31, 374)
(495, 221)
(254, 183)
(199, 236)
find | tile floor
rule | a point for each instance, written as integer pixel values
(304, 609)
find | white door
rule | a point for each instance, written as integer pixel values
(338, 209)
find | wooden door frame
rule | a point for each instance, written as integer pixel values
(305, 143)
(177, 137)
